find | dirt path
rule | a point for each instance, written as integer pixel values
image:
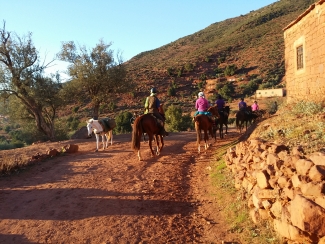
(111, 197)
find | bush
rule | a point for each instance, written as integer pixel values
(75, 109)
(230, 70)
(307, 108)
(176, 121)
(227, 90)
(123, 124)
(188, 67)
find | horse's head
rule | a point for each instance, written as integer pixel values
(90, 126)
(214, 111)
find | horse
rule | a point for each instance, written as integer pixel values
(242, 119)
(202, 122)
(94, 125)
(222, 119)
(146, 123)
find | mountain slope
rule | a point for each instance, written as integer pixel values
(253, 42)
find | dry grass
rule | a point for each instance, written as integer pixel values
(300, 124)
(13, 163)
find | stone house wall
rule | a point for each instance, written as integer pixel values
(308, 31)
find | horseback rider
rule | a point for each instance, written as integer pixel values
(220, 104)
(255, 106)
(151, 106)
(242, 105)
(202, 105)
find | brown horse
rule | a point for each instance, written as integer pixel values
(202, 122)
(146, 124)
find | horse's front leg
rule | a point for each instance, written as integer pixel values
(103, 142)
(206, 140)
(139, 155)
(157, 143)
(97, 142)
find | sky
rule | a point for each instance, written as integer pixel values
(131, 26)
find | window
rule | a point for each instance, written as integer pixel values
(300, 59)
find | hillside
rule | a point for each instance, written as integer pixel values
(253, 43)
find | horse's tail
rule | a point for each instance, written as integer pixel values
(198, 131)
(136, 134)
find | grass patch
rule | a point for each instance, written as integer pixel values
(236, 211)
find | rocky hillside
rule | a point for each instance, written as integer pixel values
(253, 43)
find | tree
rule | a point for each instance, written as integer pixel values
(95, 74)
(176, 121)
(22, 77)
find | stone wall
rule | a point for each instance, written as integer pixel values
(282, 186)
(308, 30)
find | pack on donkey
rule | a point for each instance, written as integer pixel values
(102, 127)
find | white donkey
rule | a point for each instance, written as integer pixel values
(94, 125)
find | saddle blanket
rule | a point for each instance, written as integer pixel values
(108, 124)
(202, 112)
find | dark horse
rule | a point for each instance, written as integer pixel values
(223, 120)
(242, 119)
(146, 123)
(202, 122)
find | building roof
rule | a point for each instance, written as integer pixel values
(311, 7)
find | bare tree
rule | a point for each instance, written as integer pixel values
(22, 76)
(95, 74)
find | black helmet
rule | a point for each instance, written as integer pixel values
(153, 90)
(219, 96)
(242, 99)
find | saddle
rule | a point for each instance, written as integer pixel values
(159, 122)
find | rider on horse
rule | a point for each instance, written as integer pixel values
(202, 106)
(220, 104)
(242, 105)
(151, 106)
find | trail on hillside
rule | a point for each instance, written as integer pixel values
(111, 197)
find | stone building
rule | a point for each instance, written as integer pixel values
(305, 55)
(279, 92)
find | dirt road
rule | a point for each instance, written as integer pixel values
(111, 197)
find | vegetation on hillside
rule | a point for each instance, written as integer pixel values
(249, 46)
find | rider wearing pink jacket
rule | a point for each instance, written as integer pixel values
(201, 103)
(255, 106)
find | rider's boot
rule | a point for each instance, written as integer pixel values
(162, 131)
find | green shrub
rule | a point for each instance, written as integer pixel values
(176, 121)
(75, 109)
(123, 124)
(227, 90)
(230, 70)
(112, 106)
(188, 67)
(307, 108)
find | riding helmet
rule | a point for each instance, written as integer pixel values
(201, 94)
(153, 90)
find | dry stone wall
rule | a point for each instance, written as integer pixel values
(282, 186)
